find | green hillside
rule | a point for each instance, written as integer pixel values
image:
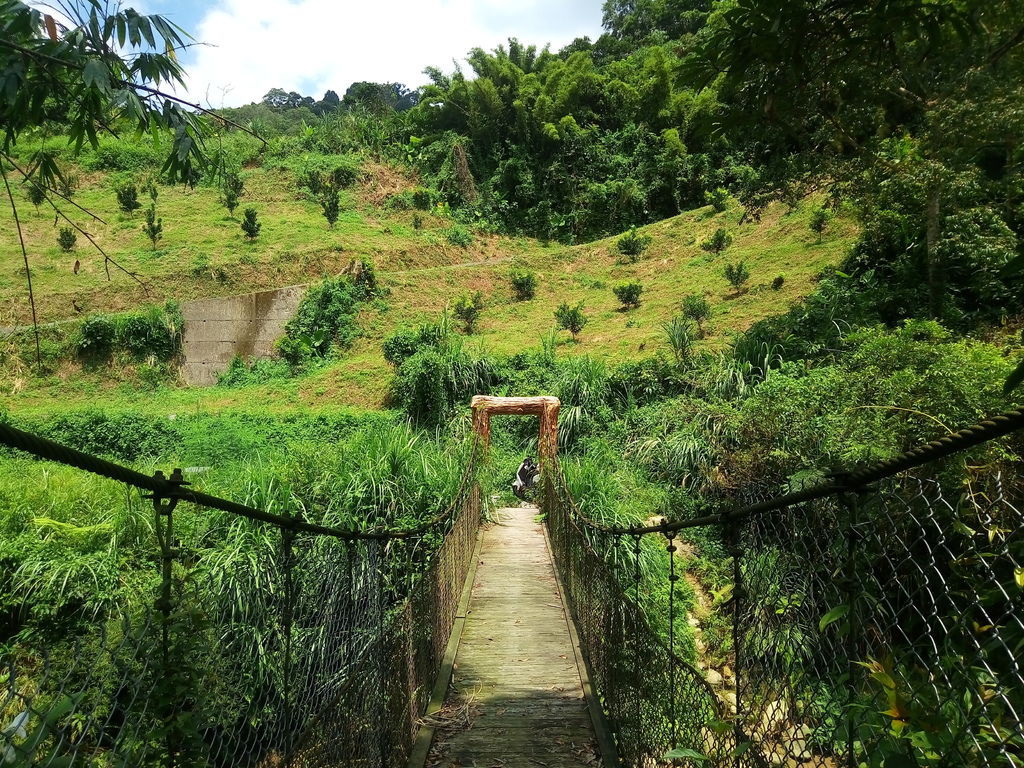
(204, 253)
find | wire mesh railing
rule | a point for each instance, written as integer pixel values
(242, 639)
(653, 699)
(874, 620)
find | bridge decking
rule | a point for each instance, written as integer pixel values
(516, 698)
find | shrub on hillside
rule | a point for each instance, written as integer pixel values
(459, 235)
(96, 337)
(231, 191)
(123, 436)
(524, 284)
(400, 346)
(66, 239)
(316, 172)
(330, 205)
(820, 217)
(571, 318)
(778, 282)
(737, 274)
(423, 198)
(468, 307)
(717, 198)
(36, 194)
(628, 294)
(632, 244)
(696, 308)
(123, 154)
(325, 319)
(250, 226)
(718, 241)
(128, 198)
(154, 227)
(69, 183)
(435, 380)
(239, 373)
(680, 335)
(155, 332)
(405, 342)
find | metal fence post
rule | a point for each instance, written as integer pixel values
(732, 537)
(164, 528)
(851, 502)
(672, 578)
(287, 619)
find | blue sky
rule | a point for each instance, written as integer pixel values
(311, 45)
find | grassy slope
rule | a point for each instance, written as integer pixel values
(203, 251)
(422, 271)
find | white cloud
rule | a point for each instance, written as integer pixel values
(312, 45)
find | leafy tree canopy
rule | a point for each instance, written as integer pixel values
(99, 65)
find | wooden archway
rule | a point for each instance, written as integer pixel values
(546, 408)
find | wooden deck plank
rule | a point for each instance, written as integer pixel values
(516, 693)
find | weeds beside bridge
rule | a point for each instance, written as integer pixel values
(874, 619)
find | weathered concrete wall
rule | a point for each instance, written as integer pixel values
(216, 330)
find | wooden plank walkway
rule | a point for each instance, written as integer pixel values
(516, 698)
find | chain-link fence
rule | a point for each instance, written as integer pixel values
(653, 699)
(875, 620)
(247, 641)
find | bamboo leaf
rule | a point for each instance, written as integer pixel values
(834, 615)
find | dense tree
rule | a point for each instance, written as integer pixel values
(380, 98)
(919, 94)
(639, 20)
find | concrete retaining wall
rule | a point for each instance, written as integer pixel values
(216, 330)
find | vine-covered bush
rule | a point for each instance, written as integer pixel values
(155, 332)
(96, 337)
(326, 317)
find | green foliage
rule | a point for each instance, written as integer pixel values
(718, 242)
(438, 378)
(458, 235)
(820, 218)
(154, 227)
(468, 308)
(680, 334)
(717, 198)
(250, 226)
(696, 308)
(737, 274)
(317, 172)
(69, 183)
(417, 221)
(628, 294)
(632, 244)
(330, 204)
(403, 343)
(524, 283)
(36, 194)
(125, 436)
(259, 371)
(231, 190)
(116, 64)
(155, 332)
(96, 337)
(571, 318)
(128, 198)
(423, 198)
(325, 320)
(66, 239)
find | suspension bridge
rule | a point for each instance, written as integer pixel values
(873, 619)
